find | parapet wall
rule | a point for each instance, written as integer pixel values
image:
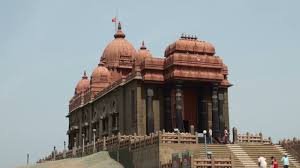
(292, 146)
(148, 151)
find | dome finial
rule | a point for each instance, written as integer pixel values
(119, 33)
(143, 47)
(119, 26)
(84, 75)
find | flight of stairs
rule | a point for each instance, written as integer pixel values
(292, 160)
(218, 151)
(245, 155)
(265, 150)
(244, 158)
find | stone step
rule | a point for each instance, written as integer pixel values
(242, 156)
(267, 151)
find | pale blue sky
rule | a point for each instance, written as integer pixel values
(46, 45)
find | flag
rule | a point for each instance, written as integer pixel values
(114, 19)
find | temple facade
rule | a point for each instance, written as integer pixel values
(131, 91)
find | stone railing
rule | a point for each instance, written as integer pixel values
(134, 142)
(253, 138)
(292, 146)
(131, 142)
(183, 138)
(203, 163)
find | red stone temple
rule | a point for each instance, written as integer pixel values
(131, 91)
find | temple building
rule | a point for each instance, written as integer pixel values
(131, 91)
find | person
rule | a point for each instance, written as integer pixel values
(275, 163)
(210, 136)
(272, 160)
(262, 162)
(285, 161)
(225, 135)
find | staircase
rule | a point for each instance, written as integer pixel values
(267, 151)
(242, 156)
(292, 160)
(218, 151)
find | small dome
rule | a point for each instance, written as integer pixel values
(190, 44)
(100, 74)
(143, 53)
(83, 84)
(116, 49)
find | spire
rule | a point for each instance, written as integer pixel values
(143, 47)
(119, 33)
(84, 75)
(119, 26)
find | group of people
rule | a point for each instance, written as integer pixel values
(262, 163)
(224, 139)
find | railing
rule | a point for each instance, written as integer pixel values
(205, 163)
(184, 138)
(131, 142)
(253, 138)
(214, 162)
(134, 142)
(292, 146)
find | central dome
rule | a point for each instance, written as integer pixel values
(190, 44)
(117, 51)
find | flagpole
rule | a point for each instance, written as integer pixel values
(116, 23)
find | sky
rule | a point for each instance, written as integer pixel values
(46, 45)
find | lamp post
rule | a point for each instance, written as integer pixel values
(54, 153)
(83, 144)
(74, 147)
(64, 145)
(27, 158)
(94, 140)
(64, 152)
(205, 145)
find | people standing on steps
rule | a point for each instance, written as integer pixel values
(210, 136)
(262, 162)
(274, 163)
(225, 138)
(285, 161)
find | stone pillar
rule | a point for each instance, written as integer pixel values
(54, 153)
(100, 127)
(94, 140)
(90, 125)
(83, 145)
(209, 114)
(226, 108)
(74, 147)
(65, 150)
(27, 158)
(167, 110)
(179, 108)
(80, 130)
(221, 111)
(149, 111)
(215, 113)
(234, 135)
(104, 144)
(109, 124)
